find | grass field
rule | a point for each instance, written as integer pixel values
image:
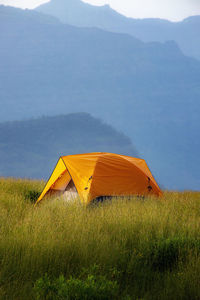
(136, 249)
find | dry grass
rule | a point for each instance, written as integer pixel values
(151, 246)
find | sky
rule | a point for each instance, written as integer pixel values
(174, 10)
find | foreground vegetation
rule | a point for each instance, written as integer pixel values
(123, 249)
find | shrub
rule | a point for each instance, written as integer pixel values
(91, 288)
(165, 253)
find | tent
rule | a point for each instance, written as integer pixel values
(93, 175)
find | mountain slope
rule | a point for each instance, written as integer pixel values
(17, 15)
(31, 148)
(149, 91)
(75, 12)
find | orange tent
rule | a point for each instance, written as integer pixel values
(101, 174)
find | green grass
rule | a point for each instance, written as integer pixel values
(150, 248)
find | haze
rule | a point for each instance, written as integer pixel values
(174, 10)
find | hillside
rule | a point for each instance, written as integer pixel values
(15, 15)
(150, 91)
(121, 249)
(75, 12)
(31, 148)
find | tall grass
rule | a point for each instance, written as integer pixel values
(151, 247)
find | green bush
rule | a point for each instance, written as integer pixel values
(91, 288)
(164, 254)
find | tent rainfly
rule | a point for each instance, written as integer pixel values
(93, 175)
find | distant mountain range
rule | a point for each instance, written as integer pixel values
(149, 91)
(31, 148)
(77, 13)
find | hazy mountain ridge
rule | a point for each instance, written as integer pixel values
(13, 14)
(31, 148)
(150, 91)
(75, 12)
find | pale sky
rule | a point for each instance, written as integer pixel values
(174, 10)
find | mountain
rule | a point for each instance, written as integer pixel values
(17, 15)
(77, 13)
(150, 91)
(31, 148)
